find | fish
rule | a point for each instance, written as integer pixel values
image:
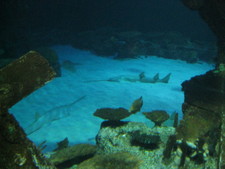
(54, 114)
(136, 106)
(141, 78)
(69, 65)
(155, 79)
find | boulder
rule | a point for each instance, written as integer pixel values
(19, 79)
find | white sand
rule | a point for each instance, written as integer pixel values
(81, 126)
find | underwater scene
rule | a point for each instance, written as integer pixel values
(112, 84)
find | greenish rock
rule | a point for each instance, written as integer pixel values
(136, 138)
(23, 76)
(120, 160)
(72, 155)
(19, 79)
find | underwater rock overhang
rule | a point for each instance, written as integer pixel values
(19, 79)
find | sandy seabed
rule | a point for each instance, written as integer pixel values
(56, 118)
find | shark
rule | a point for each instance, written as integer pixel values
(140, 78)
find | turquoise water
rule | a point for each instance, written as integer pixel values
(64, 106)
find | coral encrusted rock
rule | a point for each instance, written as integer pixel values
(121, 160)
(200, 132)
(136, 138)
(72, 155)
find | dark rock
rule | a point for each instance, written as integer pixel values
(120, 160)
(102, 42)
(197, 123)
(16, 150)
(203, 112)
(72, 155)
(23, 76)
(213, 14)
(206, 91)
(19, 79)
(204, 102)
(133, 44)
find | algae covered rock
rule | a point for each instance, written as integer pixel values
(196, 125)
(17, 80)
(121, 160)
(23, 76)
(72, 155)
(199, 133)
(157, 116)
(136, 138)
(112, 114)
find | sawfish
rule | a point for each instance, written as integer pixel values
(51, 115)
(141, 78)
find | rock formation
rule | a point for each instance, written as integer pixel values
(213, 13)
(203, 125)
(18, 80)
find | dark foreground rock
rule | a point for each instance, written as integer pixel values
(18, 80)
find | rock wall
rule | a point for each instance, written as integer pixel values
(18, 80)
(213, 13)
(203, 107)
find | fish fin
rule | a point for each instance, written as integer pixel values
(142, 75)
(165, 79)
(156, 77)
